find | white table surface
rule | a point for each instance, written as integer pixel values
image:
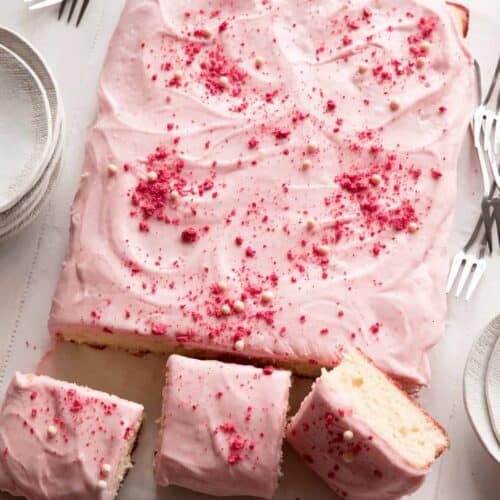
(30, 262)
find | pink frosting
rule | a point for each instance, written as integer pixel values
(223, 427)
(55, 438)
(376, 470)
(303, 148)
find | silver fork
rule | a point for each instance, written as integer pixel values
(485, 123)
(472, 267)
(63, 3)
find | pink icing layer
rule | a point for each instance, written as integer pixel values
(222, 429)
(55, 438)
(376, 471)
(303, 148)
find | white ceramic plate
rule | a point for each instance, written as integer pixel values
(16, 43)
(30, 206)
(26, 128)
(475, 378)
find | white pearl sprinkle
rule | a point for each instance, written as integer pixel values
(348, 457)
(363, 68)
(224, 82)
(324, 250)
(102, 484)
(222, 286)
(238, 306)
(394, 105)
(306, 165)
(267, 297)
(51, 431)
(412, 227)
(420, 63)
(178, 74)
(112, 169)
(310, 225)
(239, 345)
(259, 62)
(105, 470)
(225, 310)
(206, 33)
(174, 196)
(425, 47)
(348, 435)
(375, 180)
(152, 176)
(312, 148)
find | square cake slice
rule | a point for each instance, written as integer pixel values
(61, 441)
(222, 427)
(363, 435)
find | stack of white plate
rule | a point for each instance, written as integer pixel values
(31, 133)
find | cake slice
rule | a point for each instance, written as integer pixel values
(363, 435)
(61, 441)
(222, 427)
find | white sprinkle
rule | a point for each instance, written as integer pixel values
(324, 250)
(51, 431)
(310, 225)
(224, 82)
(105, 470)
(363, 68)
(174, 196)
(267, 297)
(112, 169)
(348, 457)
(420, 63)
(238, 306)
(152, 176)
(178, 74)
(239, 345)
(306, 165)
(375, 180)
(394, 105)
(348, 435)
(425, 47)
(222, 286)
(102, 484)
(259, 62)
(312, 148)
(412, 227)
(225, 310)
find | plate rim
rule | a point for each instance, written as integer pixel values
(38, 169)
(492, 329)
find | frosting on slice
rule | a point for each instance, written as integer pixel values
(60, 441)
(222, 427)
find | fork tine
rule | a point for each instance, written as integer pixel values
(72, 10)
(61, 9)
(477, 274)
(487, 221)
(82, 12)
(465, 275)
(455, 267)
(493, 82)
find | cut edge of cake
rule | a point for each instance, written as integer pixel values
(135, 343)
(127, 463)
(391, 413)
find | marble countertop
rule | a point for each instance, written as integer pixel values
(30, 262)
